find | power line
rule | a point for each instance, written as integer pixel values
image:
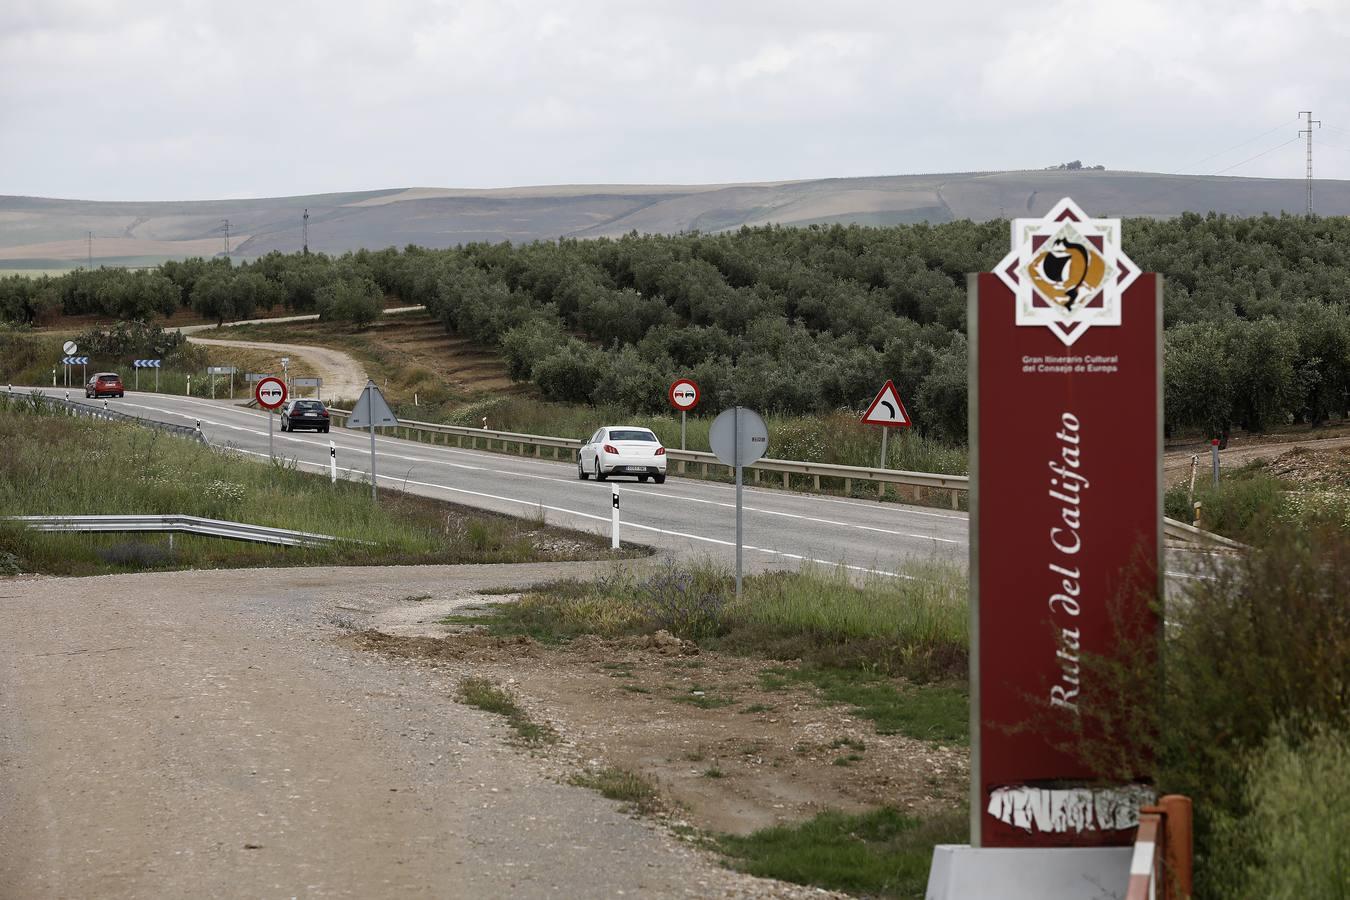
(1253, 140)
(1257, 156)
(1308, 131)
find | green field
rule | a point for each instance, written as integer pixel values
(123, 469)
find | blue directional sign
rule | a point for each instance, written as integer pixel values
(147, 363)
(74, 360)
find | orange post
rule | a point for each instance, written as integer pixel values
(1178, 845)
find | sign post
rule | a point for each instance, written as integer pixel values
(147, 364)
(372, 412)
(1065, 553)
(739, 438)
(888, 411)
(270, 393)
(684, 396)
(213, 371)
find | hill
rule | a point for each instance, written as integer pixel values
(49, 233)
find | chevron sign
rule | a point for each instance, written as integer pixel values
(74, 360)
(147, 363)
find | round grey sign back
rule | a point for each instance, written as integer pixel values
(738, 436)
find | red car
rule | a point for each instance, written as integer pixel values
(104, 384)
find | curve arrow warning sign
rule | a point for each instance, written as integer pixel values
(887, 409)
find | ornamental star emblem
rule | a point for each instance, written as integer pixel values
(1067, 271)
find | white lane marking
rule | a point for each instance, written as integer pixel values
(771, 512)
(535, 504)
(478, 454)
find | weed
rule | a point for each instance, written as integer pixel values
(485, 695)
(883, 853)
(713, 772)
(630, 788)
(758, 708)
(847, 742)
(636, 689)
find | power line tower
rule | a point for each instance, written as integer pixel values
(306, 233)
(1308, 131)
(227, 238)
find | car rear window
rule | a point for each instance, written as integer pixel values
(110, 378)
(308, 404)
(618, 434)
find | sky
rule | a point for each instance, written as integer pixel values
(147, 100)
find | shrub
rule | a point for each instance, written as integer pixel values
(1258, 647)
(1298, 794)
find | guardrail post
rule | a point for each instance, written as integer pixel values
(816, 480)
(956, 499)
(881, 489)
(848, 487)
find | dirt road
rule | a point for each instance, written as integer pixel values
(206, 734)
(343, 377)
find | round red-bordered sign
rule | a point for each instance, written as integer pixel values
(683, 394)
(270, 392)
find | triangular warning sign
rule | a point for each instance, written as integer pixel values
(887, 409)
(371, 410)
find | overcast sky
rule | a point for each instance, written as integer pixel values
(149, 100)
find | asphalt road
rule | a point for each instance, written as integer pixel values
(686, 517)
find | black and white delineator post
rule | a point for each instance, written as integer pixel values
(614, 519)
(332, 461)
(372, 412)
(739, 438)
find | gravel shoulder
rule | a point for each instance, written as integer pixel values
(208, 734)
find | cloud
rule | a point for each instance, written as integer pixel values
(166, 100)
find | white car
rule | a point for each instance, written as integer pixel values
(622, 450)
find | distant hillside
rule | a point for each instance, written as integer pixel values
(44, 233)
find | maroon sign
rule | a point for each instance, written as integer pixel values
(1066, 519)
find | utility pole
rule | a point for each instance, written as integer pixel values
(227, 238)
(306, 233)
(1308, 131)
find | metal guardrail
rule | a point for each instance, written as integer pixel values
(686, 460)
(236, 531)
(1180, 531)
(40, 399)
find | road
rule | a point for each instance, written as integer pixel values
(211, 734)
(686, 517)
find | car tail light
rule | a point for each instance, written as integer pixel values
(609, 448)
(660, 451)
(324, 413)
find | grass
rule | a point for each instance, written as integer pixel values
(639, 794)
(893, 650)
(103, 468)
(484, 695)
(882, 853)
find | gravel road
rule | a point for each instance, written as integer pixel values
(342, 375)
(203, 734)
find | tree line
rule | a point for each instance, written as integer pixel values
(797, 320)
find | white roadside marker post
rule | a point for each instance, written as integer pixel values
(332, 461)
(614, 520)
(188, 392)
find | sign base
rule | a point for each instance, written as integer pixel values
(1028, 873)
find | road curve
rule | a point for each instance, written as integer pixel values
(343, 377)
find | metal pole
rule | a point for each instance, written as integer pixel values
(736, 430)
(1214, 459)
(156, 379)
(231, 385)
(332, 461)
(372, 459)
(884, 431)
(682, 414)
(269, 436)
(614, 519)
(138, 378)
(213, 385)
